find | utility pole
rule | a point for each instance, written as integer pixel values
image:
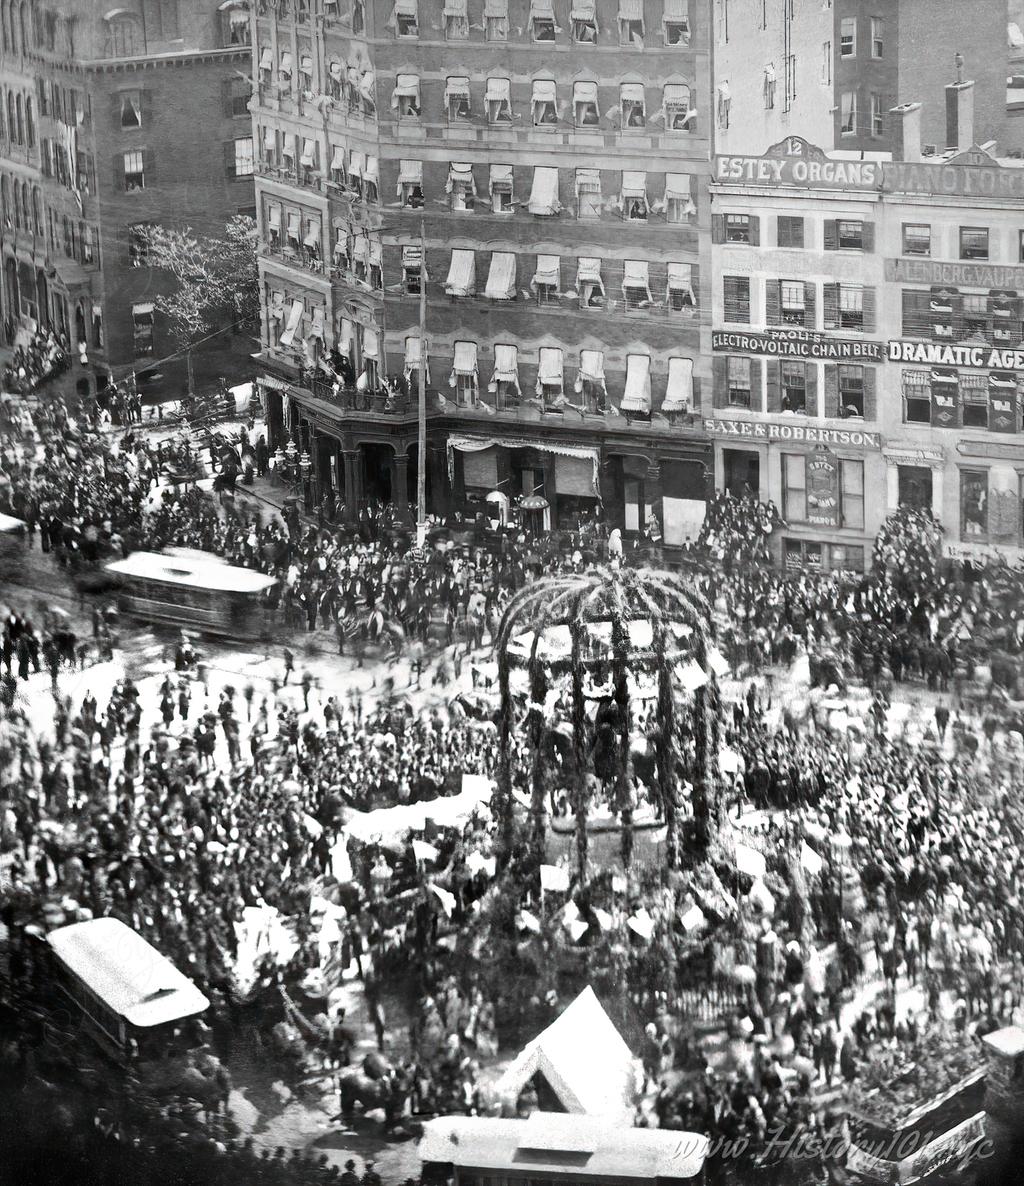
(421, 455)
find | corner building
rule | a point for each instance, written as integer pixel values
(555, 157)
(796, 346)
(110, 121)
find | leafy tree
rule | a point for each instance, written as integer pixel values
(216, 278)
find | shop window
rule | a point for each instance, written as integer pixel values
(794, 487)
(739, 382)
(914, 485)
(974, 505)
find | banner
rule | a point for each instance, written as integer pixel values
(1002, 402)
(945, 397)
(823, 487)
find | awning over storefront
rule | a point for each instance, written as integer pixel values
(679, 392)
(501, 278)
(637, 397)
(474, 444)
(549, 270)
(462, 273)
(544, 193)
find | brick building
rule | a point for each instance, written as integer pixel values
(109, 123)
(556, 162)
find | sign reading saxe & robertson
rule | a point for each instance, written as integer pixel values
(796, 344)
(987, 358)
(794, 161)
(790, 432)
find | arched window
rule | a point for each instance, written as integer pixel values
(30, 123)
(5, 28)
(234, 15)
(19, 116)
(23, 26)
(37, 209)
(12, 127)
(6, 209)
(124, 35)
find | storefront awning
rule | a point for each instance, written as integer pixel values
(476, 444)
(544, 193)
(506, 364)
(501, 276)
(679, 392)
(592, 365)
(462, 273)
(637, 396)
(549, 270)
(464, 362)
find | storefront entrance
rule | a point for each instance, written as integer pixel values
(741, 472)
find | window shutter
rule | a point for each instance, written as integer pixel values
(868, 306)
(149, 165)
(115, 108)
(867, 234)
(811, 388)
(810, 301)
(717, 228)
(773, 385)
(831, 390)
(720, 381)
(696, 386)
(755, 231)
(781, 236)
(229, 158)
(773, 302)
(118, 170)
(226, 88)
(124, 235)
(869, 394)
(830, 303)
(796, 232)
(145, 107)
(755, 385)
(831, 235)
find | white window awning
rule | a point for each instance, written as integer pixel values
(461, 273)
(724, 91)
(506, 364)
(583, 10)
(456, 88)
(499, 89)
(409, 173)
(676, 94)
(266, 59)
(637, 396)
(677, 10)
(634, 184)
(372, 171)
(337, 158)
(336, 70)
(143, 309)
(588, 181)
(588, 271)
(631, 10)
(316, 330)
(312, 238)
(680, 278)
(584, 92)
(286, 62)
(677, 187)
(288, 146)
(549, 368)
(371, 343)
(308, 152)
(367, 85)
(455, 8)
(306, 65)
(635, 274)
(501, 276)
(346, 334)
(413, 352)
(405, 7)
(412, 255)
(292, 324)
(496, 9)
(273, 216)
(549, 269)
(341, 241)
(360, 248)
(592, 365)
(544, 91)
(542, 8)
(276, 309)
(376, 251)
(464, 362)
(269, 139)
(294, 222)
(461, 173)
(501, 178)
(632, 92)
(356, 162)
(679, 392)
(407, 86)
(544, 192)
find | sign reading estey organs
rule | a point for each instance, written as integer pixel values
(796, 344)
(787, 430)
(993, 358)
(794, 161)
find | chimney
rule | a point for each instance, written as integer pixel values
(960, 115)
(906, 132)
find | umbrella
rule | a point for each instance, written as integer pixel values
(534, 502)
(744, 974)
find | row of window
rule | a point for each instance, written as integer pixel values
(838, 234)
(945, 399)
(22, 208)
(629, 26)
(945, 314)
(971, 243)
(875, 36)
(17, 118)
(786, 385)
(850, 307)
(66, 104)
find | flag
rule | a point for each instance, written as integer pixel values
(423, 851)
(554, 879)
(446, 899)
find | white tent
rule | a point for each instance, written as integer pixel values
(584, 1060)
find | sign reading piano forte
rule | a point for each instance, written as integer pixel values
(790, 431)
(796, 344)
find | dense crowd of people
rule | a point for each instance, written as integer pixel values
(43, 357)
(891, 847)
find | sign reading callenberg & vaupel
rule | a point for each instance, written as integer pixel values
(796, 344)
(792, 432)
(992, 358)
(931, 271)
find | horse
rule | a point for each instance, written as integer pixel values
(389, 1094)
